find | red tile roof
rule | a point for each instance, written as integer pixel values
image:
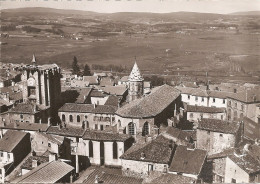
(104, 136)
(10, 140)
(216, 125)
(189, 161)
(69, 131)
(26, 126)
(24, 108)
(74, 107)
(104, 109)
(150, 105)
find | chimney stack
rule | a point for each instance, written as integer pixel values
(49, 121)
(34, 163)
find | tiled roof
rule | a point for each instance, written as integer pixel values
(135, 74)
(191, 108)
(83, 93)
(49, 172)
(104, 109)
(150, 105)
(52, 138)
(247, 96)
(246, 162)
(154, 151)
(93, 80)
(104, 136)
(167, 178)
(16, 96)
(218, 94)
(111, 176)
(180, 134)
(192, 91)
(187, 160)
(124, 79)
(28, 163)
(10, 139)
(74, 107)
(119, 90)
(113, 100)
(216, 125)
(23, 108)
(97, 93)
(222, 154)
(26, 126)
(68, 131)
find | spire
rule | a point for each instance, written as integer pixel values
(34, 60)
(135, 74)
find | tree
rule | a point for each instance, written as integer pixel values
(86, 71)
(75, 66)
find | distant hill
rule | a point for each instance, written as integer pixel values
(246, 13)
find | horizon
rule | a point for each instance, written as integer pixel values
(154, 6)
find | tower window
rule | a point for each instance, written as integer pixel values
(131, 128)
(145, 129)
(71, 118)
(78, 118)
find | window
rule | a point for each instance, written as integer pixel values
(241, 115)
(191, 115)
(202, 99)
(196, 98)
(63, 118)
(235, 105)
(77, 139)
(71, 118)
(78, 118)
(150, 168)
(145, 129)
(222, 117)
(113, 119)
(2, 154)
(220, 135)
(90, 144)
(87, 124)
(214, 100)
(224, 101)
(229, 102)
(208, 132)
(235, 115)
(131, 128)
(8, 155)
(242, 107)
(96, 126)
(115, 156)
(86, 117)
(101, 127)
(233, 180)
(119, 123)
(21, 116)
(188, 96)
(49, 145)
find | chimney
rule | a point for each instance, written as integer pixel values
(52, 157)
(71, 178)
(49, 121)
(34, 163)
(40, 121)
(96, 179)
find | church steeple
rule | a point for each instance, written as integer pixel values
(135, 74)
(33, 60)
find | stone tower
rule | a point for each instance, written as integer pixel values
(41, 85)
(136, 84)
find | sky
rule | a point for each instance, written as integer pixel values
(155, 6)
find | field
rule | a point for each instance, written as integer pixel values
(158, 49)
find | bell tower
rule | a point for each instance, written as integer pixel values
(136, 84)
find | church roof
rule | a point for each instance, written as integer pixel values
(135, 74)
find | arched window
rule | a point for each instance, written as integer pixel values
(78, 118)
(145, 129)
(90, 149)
(63, 118)
(235, 115)
(115, 156)
(87, 124)
(71, 118)
(131, 128)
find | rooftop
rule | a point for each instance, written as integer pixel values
(150, 105)
(26, 126)
(119, 90)
(24, 108)
(105, 136)
(191, 108)
(50, 172)
(10, 140)
(97, 93)
(83, 93)
(156, 151)
(104, 109)
(68, 131)
(93, 80)
(113, 100)
(40, 160)
(216, 125)
(184, 162)
(74, 107)
(135, 74)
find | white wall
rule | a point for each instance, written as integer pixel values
(218, 102)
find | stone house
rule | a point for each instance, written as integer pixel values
(143, 158)
(251, 129)
(14, 147)
(214, 136)
(98, 97)
(33, 162)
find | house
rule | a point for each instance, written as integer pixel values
(123, 80)
(98, 97)
(107, 81)
(14, 147)
(114, 101)
(84, 95)
(50, 172)
(143, 158)
(103, 116)
(119, 90)
(144, 116)
(188, 162)
(77, 115)
(217, 135)
(91, 80)
(237, 165)
(196, 113)
(33, 162)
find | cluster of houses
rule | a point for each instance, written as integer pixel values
(106, 129)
